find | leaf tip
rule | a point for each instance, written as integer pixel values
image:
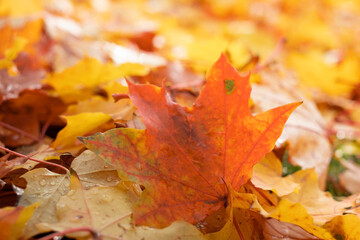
(297, 104)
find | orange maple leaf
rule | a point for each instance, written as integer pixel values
(187, 156)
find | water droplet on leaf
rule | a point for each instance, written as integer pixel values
(107, 198)
(42, 182)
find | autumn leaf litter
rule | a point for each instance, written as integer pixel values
(177, 148)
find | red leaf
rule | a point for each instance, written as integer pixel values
(187, 155)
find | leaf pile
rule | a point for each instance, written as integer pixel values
(150, 119)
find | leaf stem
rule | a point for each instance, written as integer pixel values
(33, 159)
(114, 221)
(71, 230)
(119, 96)
(46, 126)
(238, 230)
(18, 130)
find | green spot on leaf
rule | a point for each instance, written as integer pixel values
(229, 86)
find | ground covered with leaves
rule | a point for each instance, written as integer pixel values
(182, 119)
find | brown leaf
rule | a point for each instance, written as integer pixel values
(46, 188)
(26, 113)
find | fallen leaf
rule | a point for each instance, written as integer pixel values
(7, 165)
(296, 214)
(309, 146)
(108, 211)
(122, 55)
(13, 220)
(18, 8)
(313, 67)
(29, 30)
(174, 74)
(20, 44)
(93, 170)
(26, 113)
(176, 231)
(88, 208)
(318, 203)
(46, 188)
(79, 125)
(120, 110)
(267, 175)
(186, 138)
(344, 227)
(242, 223)
(8, 217)
(11, 54)
(275, 229)
(81, 81)
(27, 78)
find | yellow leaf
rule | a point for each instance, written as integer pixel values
(120, 110)
(31, 31)
(12, 53)
(198, 46)
(17, 8)
(26, 214)
(246, 46)
(267, 176)
(316, 70)
(84, 79)
(13, 220)
(79, 125)
(242, 224)
(344, 227)
(318, 203)
(45, 188)
(313, 29)
(296, 214)
(116, 87)
(93, 170)
(242, 218)
(8, 217)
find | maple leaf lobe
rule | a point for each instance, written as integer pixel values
(186, 157)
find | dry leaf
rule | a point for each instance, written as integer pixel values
(120, 110)
(108, 211)
(309, 146)
(296, 214)
(344, 227)
(93, 170)
(267, 175)
(318, 203)
(79, 125)
(46, 188)
(13, 220)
